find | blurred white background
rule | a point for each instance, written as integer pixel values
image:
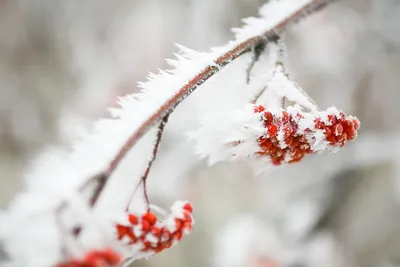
(63, 62)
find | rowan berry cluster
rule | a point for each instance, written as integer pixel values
(151, 235)
(95, 258)
(291, 134)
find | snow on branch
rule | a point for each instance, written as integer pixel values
(163, 92)
(65, 187)
(195, 68)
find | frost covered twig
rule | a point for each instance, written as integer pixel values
(257, 51)
(143, 180)
(102, 178)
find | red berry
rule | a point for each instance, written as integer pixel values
(156, 231)
(133, 219)
(332, 119)
(337, 129)
(268, 117)
(146, 227)
(288, 131)
(187, 225)
(265, 143)
(272, 150)
(178, 224)
(259, 109)
(121, 230)
(188, 207)
(131, 236)
(147, 246)
(328, 131)
(285, 117)
(158, 249)
(150, 217)
(178, 235)
(318, 124)
(93, 258)
(342, 139)
(187, 217)
(168, 244)
(296, 141)
(272, 130)
(111, 256)
(331, 139)
(351, 134)
(289, 140)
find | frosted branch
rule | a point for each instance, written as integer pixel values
(108, 144)
(197, 68)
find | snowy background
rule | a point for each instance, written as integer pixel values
(62, 64)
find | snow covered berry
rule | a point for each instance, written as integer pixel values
(148, 234)
(291, 134)
(95, 258)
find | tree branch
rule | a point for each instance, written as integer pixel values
(169, 106)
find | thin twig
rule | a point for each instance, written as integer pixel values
(257, 50)
(143, 180)
(199, 79)
(101, 180)
(301, 90)
(259, 94)
(281, 54)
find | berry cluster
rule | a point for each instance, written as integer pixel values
(152, 235)
(95, 258)
(291, 134)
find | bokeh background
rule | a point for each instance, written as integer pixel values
(63, 62)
